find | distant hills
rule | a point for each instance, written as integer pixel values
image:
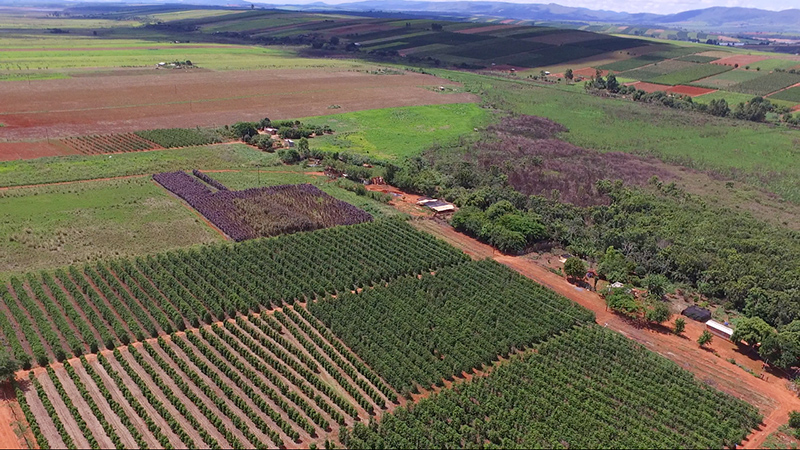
(710, 19)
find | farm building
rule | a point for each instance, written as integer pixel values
(697, 313)
(436, 205)
(289, 143)
(719, 329)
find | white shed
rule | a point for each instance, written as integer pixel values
(719, 329)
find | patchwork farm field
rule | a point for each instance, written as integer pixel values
(126, 103)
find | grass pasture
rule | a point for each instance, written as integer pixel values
(700, 59)
(46, 227)
(88, 167)
(657, 70)
(632, 63)
(397, 132)
(768, 65)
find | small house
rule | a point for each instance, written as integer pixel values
(718, 329)
(289, 143)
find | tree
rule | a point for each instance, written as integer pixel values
(656, 284)
(334, 40)
(575, 268)
(751, 330)
(302, 147)
(659, 314)
(612, 85)
(621, 301)
(569, 75)
(7, 367)
(794, 419)
(614, 266)
(719, 108)
(680, 325)
(242, 129)
(705, 338)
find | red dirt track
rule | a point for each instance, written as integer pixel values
(123, 103)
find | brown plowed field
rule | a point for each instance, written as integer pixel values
(692, 91)
(10, 151)
(123, 103)
(649, 87)
(741, 60)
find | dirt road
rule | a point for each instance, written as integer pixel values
(770, 395)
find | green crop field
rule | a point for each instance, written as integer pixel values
(397, 132)
(444, 324)
(768, 65)
(688, 74)
(700, 59)
(144, 54)
(659, 69)
(632, 63)
(727, 79)
(45, 227)
(70, 168)
(766, 84)
(789, 95)
(534, 401)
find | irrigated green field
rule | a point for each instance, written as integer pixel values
(727, 79)
(398, 132)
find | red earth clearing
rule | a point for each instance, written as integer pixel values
(692, 91)
(588, 72)
(741, 60)
(123, 103)
(10, 151)
(649, 87)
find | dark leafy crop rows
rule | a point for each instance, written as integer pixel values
(180, 137)
(112, 143)
(244, 382)
(261, 212)
(420, 331)
(588, 388)
(122, 301)
(769, 83)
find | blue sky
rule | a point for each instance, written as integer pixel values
(635, 6)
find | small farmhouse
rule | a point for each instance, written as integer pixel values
(718, 329)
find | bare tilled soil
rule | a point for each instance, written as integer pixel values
(124, 103)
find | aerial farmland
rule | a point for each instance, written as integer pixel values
(213, 233)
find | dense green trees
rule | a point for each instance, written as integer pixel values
(501, 225)
(656, 404)
(575, 268)
(418, 331)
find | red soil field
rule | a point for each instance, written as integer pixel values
(741, 60)
(485, 29)
(692, 91)
(649, 87)
(123, 103)
(10, 151)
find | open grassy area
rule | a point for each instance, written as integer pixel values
(83, 167)
(148, 54)
(764, 155)
(397, 132)
(45, 227)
